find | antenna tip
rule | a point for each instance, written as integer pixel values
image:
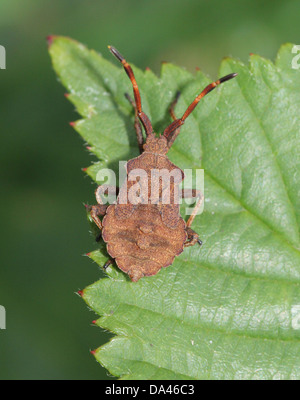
(227, 77)
(115, 52)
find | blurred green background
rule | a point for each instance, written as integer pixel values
(44, 231)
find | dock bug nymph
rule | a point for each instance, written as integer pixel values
(143, 236)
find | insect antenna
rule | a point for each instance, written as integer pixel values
(142, 116)
(178, 122)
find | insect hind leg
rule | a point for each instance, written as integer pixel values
(193, 238)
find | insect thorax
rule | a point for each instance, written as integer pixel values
(157, 145)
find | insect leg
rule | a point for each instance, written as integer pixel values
(192, 239)
(176, 132)
(137, 124)
(105, 189)
(108, 263)
(100, 208)
(190, 193)
(173, 104)
(96, 211)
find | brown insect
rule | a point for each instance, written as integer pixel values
(143, 236)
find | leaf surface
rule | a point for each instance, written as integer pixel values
(230, 309)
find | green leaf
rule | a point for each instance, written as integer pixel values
(230, 309)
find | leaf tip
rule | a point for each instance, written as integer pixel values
(50, 39)
(80, 293)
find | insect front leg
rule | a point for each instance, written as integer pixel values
(137, 125)
(172, 135)
(189, 194)
(193, 237)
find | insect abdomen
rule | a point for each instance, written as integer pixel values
(142, 244)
